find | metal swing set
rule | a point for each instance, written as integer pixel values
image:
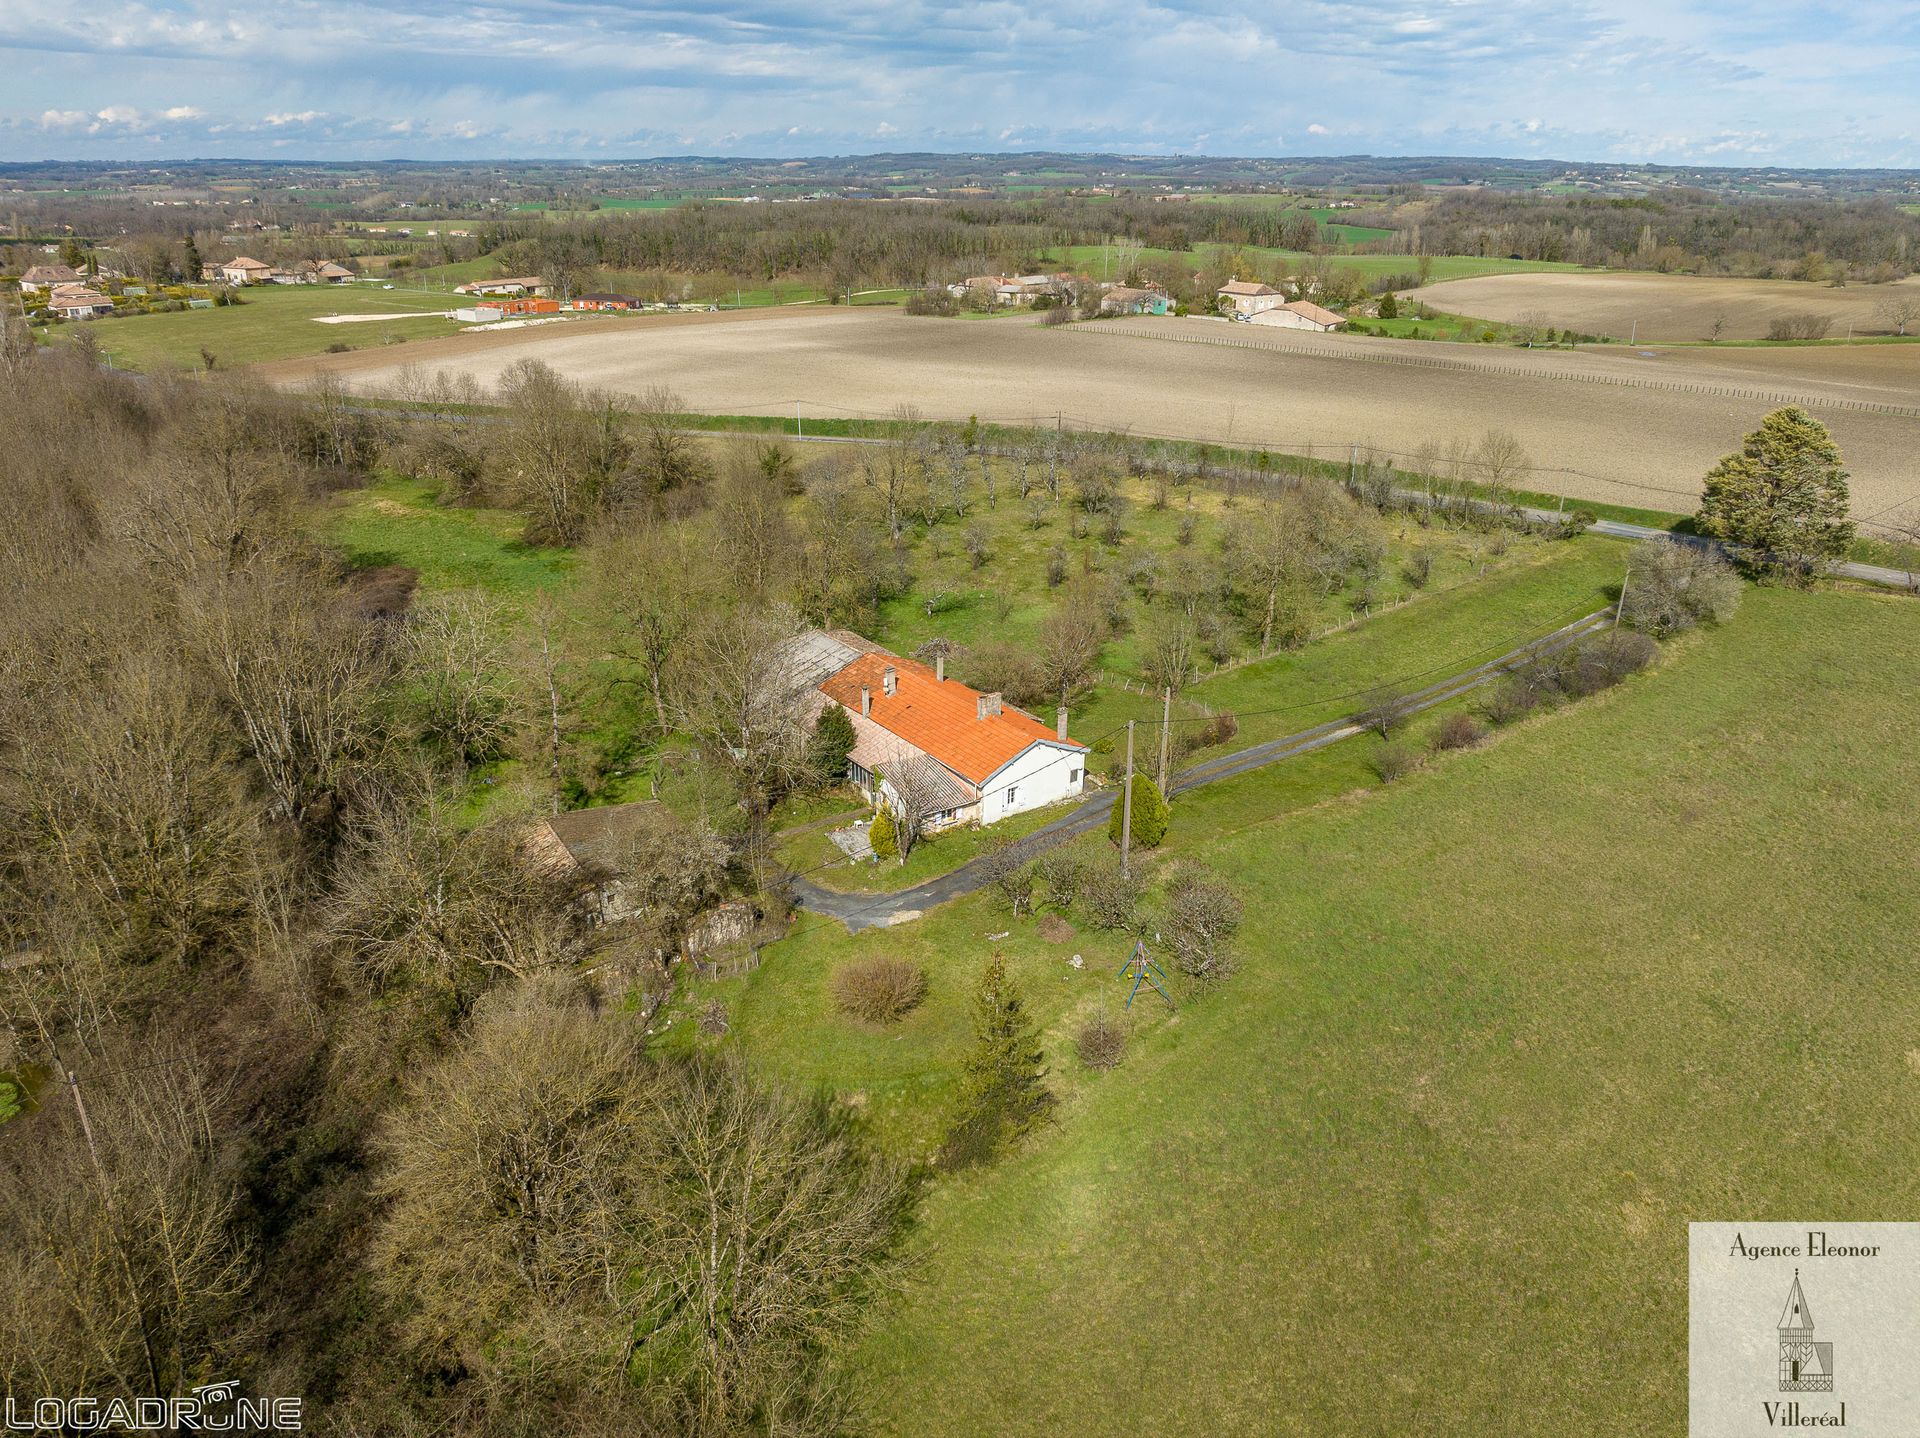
(1144, 970)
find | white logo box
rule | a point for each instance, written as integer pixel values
(1805, 1328)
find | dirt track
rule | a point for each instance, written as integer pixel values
(1675, 308)
(1603, 424)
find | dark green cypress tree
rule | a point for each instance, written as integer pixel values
(1150, 814)
(1004, 1081)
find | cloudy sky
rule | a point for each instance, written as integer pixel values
(1707, 81)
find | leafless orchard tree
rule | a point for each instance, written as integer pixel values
(1499, 460)
(1898, 313)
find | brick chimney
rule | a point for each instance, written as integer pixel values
(1060, 722)
(866, 702)
(889, 680)
(986, 706)
(940, 669)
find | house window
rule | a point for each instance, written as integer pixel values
(1073, 776)
(1010, 794)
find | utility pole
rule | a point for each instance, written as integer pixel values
(1126, 806)
(799, 430)
(1353, 460)
(1620, 605)
(1633, 336)
(1166, 725)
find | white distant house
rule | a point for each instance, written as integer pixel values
(1247, 298)
(1298, 315)
(245, 270)
(970, 757)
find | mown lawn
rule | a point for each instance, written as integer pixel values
(1426, 1163)
(276, 322)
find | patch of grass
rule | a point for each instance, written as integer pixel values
(1498, 1033)
(398, 521)
(276, 322)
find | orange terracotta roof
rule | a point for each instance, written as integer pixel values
(938, 717)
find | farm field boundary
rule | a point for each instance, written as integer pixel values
(1442, 362)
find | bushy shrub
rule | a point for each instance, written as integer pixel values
(1604, 660)
(1393, 761)
(878, 989)
(1800, 327)
(1061, 871)
(713, 1019)
(1509, 700)
(1201, 919)
(1459, 730)
(1672, 587)
(1101, 1043)
(1012, 875)
(1109, 896)
(933, 301)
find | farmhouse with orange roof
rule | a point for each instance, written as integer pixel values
(964, 756)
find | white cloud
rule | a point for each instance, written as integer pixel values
(305, 117)
(183, 112)
(1318, 130)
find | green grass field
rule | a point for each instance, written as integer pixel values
(453, 548)
(276, 322)
(1500, 1031)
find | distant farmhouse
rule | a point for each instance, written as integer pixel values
(968, 756)
(245, 270)
(46, 277)
(514, 285)
(1298, 315)
(1247, 298)
(1135, 300)
(1022, 289)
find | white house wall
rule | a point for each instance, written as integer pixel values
(1041, 774)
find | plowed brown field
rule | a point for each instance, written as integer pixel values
(1616, 425)
(1677, 308)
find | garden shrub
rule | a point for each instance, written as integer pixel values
(1393, 761)
(1101, 1043)
(1459, 730)
(878, 989)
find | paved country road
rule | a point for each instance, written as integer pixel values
(871, 911)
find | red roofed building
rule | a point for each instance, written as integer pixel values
(961, 755)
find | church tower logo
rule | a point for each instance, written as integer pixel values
(1805, 1366)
